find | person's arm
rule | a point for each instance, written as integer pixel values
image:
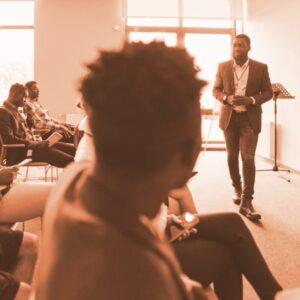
(185, 199)
(7, 175)
(24, 201)
(218, 88)
(266, 91)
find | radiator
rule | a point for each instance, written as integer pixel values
(265, 146)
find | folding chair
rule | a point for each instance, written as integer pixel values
(45, 165)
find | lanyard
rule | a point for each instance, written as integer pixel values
(238, 79)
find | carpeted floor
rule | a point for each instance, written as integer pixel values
(278, 235)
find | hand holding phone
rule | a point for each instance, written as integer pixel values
(54, 138)
(187, 222)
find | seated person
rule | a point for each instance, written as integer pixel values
(14, 130)
(21, 201)
(141, 154)
(180, 200)
(219, 250)
(18, 254)
(39, 117)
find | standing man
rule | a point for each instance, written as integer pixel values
(242, 85)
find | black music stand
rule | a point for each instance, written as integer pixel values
(279, 92)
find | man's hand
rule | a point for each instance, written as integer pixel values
(239, 100)
(176, 220)
(173, 219)
(38, 144)
(195, 288)
(8, 170)
(14, 169)
(7, 175)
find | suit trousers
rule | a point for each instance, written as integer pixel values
(221, 251)
(59, 155)
(240, 138)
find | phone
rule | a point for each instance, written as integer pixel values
(54, 138)
(189, 221)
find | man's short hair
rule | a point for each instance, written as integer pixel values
(16, 90)
(244, 37)
(29, 84)
(143, 102)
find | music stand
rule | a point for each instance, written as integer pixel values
(279, 92)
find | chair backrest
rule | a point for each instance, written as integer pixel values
(3, 150)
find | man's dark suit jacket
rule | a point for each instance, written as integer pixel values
(12, 133)
(258, 86)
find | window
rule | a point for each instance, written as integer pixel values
(153, 8)
(208, 50)
(146, 37)
(207, 9)
(17, 44)
(204, 27)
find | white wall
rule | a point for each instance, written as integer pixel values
(273, 27)
(67, 34)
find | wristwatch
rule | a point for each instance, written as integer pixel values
(224, 99)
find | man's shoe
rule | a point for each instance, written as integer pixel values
(237, 197)
(249, 212)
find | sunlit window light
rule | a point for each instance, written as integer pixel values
(169, 39)
(153, 22)
(16, 13)
(208, 23)
(207, 8)
(17, 44)
(153, 8)
(209, 50)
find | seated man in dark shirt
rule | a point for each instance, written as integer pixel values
(14, 130)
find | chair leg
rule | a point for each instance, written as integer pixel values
(26, 174)
(52, 173)
(46, 176)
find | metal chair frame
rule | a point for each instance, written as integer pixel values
(45, 165)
